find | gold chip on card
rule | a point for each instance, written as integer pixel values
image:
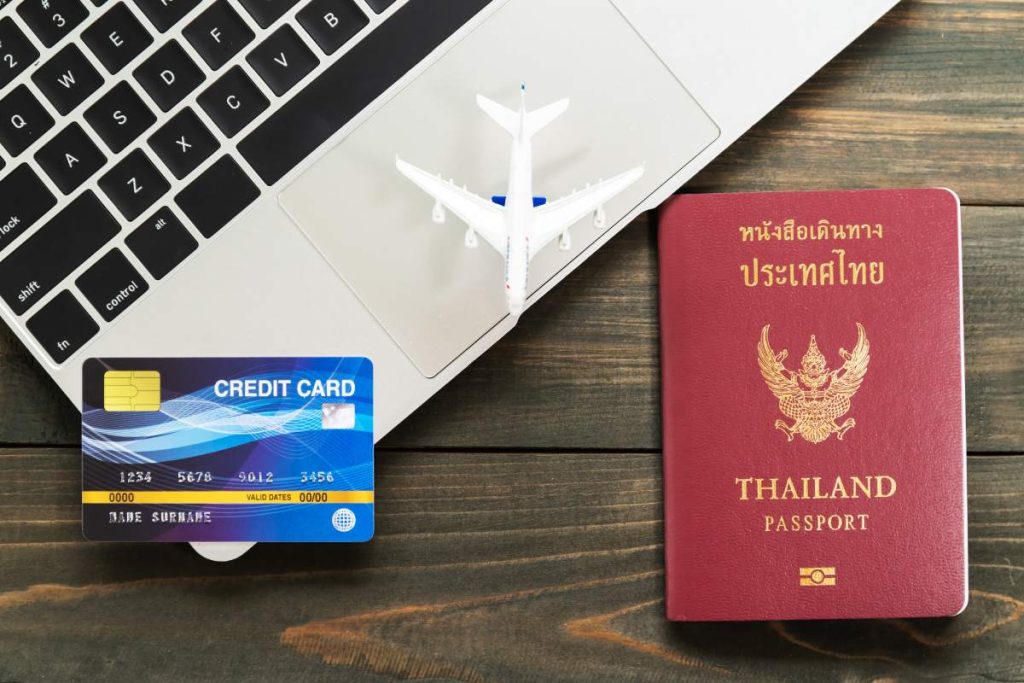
(127, 391)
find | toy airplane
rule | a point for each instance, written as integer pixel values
(519, 224)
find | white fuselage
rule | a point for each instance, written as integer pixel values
(518, 213)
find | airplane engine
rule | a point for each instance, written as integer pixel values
(439, 214)
(600, 218)
(471, 240)
(565, 242)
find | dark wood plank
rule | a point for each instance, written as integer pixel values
(33, 410)
(581, 370)
(994, 328)
(485, 567)
(930, 96)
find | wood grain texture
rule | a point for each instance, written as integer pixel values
(517, 566)
(522, 540)
(932, 95)
(581, 369)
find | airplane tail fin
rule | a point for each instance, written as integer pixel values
(534, 122)
(503, 116)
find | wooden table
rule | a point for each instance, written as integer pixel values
(520, 525)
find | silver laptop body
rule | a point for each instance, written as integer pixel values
(217, 177)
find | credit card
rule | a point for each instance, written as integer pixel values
(227, 449)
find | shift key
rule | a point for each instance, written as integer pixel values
(54, 251)
(24, 199)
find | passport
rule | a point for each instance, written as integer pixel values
(227, 449)
(813, 405)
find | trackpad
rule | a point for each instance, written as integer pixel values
(434, 296)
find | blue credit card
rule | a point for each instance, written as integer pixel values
(227, 449)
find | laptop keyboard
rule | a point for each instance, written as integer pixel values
(150, 125)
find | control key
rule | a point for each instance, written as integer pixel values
(112, 284)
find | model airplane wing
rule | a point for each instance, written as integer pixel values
(553, 219)
(481, 215)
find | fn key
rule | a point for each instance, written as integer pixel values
(62, 326)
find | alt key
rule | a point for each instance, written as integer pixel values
(112, 284)
(161, 243)
(62, 326)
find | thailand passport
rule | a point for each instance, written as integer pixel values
(814, 441)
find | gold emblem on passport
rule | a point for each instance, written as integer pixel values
(814, 397)
(817, 576)
(131, 391)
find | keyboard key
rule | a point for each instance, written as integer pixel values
(70, 158)
(332, 23)
(16, 52)
(266, 12)
(183, 143)
(166, 13)
(379, 6)
(219, 34)
(169, 75)
(117, 38)
(233, 101)
(119, 117)
(219, 194)
(355, 80)
(161, 243)
(111, 285)
(54, 251)
(62, 327)
(134, 184)
(67, 79)
(282, 60)
(22, 120)
(51, 20)
(24, 199)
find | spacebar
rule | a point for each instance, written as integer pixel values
(352, 83)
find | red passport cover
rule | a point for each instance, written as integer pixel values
(814, 440)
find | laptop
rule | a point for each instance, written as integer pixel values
(217, 177)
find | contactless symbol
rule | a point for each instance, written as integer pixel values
(338, 416)
(131, 391)
(344, 520)
(817, 576)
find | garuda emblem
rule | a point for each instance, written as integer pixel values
(814, 397)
